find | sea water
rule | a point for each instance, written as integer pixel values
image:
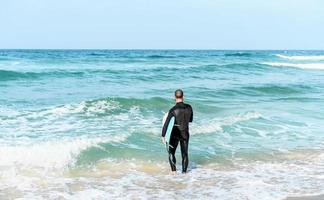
(86, 124)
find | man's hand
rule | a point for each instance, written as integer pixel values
(162, 140)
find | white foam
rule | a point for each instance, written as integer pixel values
(101, 106)
(319, 57)
(15, 63)
(215, 125)
(255, 180)
(56, 154)
(297, 65)
(290, 174)
(65, 120)
(84, 107)
(241, 117)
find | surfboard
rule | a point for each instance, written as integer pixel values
(169, 130)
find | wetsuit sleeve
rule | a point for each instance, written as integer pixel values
(165, 125)
(191, 116)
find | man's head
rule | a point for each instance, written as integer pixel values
(178, 94)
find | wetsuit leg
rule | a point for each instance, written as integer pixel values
(172, 149)
(184, 143)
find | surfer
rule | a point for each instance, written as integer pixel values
(180, 133)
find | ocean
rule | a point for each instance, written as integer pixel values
(86, 124)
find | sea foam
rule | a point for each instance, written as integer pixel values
(215, 125)
(254, 180)
(318, 57)
(56, 154)
(319, 66)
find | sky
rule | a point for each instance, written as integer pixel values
(162, 24)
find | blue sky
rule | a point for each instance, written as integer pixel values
(162, 24)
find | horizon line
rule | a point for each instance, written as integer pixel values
(158, 49)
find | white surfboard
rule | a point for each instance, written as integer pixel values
(169, 129)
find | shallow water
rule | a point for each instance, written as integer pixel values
(85, 124)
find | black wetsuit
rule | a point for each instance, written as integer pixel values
(180, 133)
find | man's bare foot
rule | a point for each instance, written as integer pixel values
(173, 172)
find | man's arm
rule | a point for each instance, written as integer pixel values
(191, 116)
(165, 125)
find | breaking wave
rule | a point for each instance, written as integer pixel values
(300, 58)
(319, 66)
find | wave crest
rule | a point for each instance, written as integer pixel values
(50, 154)
(297, 65)
(318, 57)
(215, 125)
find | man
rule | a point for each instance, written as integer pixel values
(180, 133)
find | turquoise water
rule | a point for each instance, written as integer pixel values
(87, 123)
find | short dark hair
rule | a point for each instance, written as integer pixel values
(178, 94)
